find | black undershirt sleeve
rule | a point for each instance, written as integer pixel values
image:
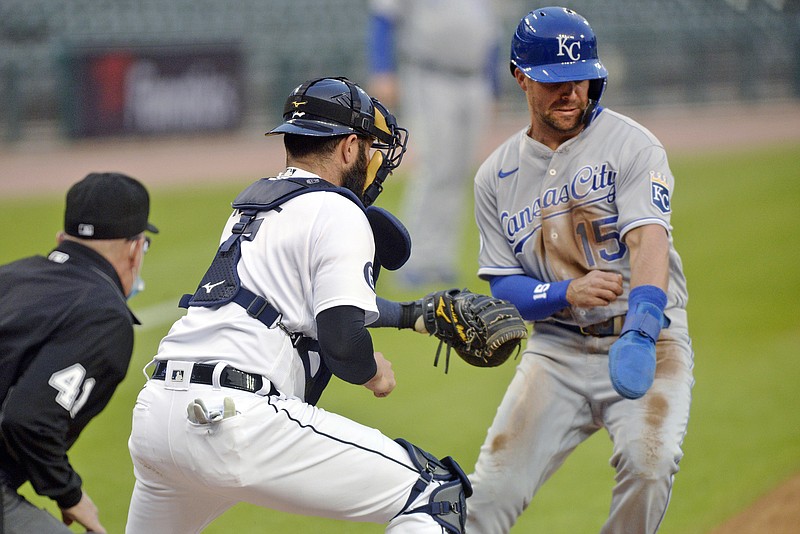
(346, 344)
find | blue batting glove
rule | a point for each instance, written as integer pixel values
(632, 364)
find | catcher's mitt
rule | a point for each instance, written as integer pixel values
(483, 330)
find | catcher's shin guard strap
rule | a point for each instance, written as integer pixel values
(448, 507)
(448, 502)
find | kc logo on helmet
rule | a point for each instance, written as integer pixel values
(568, 49)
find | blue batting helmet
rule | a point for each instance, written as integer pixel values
(555, 44)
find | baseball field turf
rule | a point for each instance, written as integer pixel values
(736, 222)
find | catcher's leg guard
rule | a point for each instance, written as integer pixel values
(448, 502)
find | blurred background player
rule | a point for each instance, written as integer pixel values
(574, 218)
(436, 59)
(66, 338)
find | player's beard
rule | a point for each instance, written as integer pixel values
(355, 178)
(562, 124)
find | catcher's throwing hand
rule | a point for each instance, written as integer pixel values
(383, 382)
(483, 330)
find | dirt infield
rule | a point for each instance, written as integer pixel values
(777, 512)
(43, 162)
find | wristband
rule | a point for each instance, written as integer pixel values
(646, 311)
(409, 313)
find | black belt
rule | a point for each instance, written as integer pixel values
(230, 377)
(609, 327)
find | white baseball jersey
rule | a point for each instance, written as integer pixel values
(320, 259)
(555, 215)
(273, 450)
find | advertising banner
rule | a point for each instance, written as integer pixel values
(152, 90)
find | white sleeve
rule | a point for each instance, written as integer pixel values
(342, 251)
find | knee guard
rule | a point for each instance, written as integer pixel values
(448, 502)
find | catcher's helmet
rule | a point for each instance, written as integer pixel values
(327, 107)
(555, 44)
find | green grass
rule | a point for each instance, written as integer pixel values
(736, 227)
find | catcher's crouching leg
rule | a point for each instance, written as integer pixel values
(448, 502)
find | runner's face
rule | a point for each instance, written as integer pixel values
(560, 105)
(556, 109)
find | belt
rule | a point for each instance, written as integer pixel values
(229, 378)
(609, 327)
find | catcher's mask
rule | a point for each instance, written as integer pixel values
(327, 107)
(556, 44)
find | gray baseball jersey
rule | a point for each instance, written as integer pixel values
(555, 215)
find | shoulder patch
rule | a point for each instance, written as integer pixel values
(659, 192)
(368, 275)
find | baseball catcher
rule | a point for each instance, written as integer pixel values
(481, 329)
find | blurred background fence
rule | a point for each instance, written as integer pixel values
(223, 65)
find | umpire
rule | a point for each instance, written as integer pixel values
(66, 338)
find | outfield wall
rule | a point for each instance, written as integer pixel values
(658, 53)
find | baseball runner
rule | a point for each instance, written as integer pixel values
(574, 218)
(66, 337)
(228, 414)
(438, 59)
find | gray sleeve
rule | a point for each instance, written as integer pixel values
(644, 190)
(495, 257)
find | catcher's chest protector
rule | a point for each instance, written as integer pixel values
(221, 284)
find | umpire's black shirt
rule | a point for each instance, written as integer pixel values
(66, 338)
